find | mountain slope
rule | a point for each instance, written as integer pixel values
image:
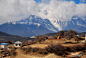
(76, 23)
(12, 38)
(34, 25)
(35, 20)
(23, 29)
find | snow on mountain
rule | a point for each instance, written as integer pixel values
(76, 23)
(54, 25)
(32, 19)
(34, 25)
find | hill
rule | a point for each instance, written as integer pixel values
(52, 34)
(6, 37)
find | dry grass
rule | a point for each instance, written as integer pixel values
(43, 45)
(21, 55)
(53, 41)
(39, 45)
(84, 56)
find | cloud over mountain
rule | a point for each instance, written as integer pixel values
(12, 10)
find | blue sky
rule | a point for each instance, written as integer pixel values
(76, 1)
(37, 1)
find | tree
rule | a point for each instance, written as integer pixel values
(61, 33)
(40, 38)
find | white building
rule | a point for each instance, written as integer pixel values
(4, 45)
(17, 44)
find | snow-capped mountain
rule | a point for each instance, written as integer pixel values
(76, 23)
(23, 29)
(35, 20)
(34, 25)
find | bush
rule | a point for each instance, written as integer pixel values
(42, 51)
(13, 53)
(35, 49)
(60, 47)
(49, 49)
(78, 47)
(56, 48)
(68, 49)
(70, 34)
(23, 49)
(75, 48)
(84, 46)
(28, 49)
(40, 38)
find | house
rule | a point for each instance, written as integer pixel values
(17, 44)
(50, 37)
(4, 45)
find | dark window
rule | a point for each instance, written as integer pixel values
(16, 44)
(19, 44)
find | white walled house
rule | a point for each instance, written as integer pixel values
(4, 45)
(17, 44)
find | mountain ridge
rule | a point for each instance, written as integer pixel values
(34, 25)
(7, 37)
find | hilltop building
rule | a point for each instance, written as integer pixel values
(17, 44)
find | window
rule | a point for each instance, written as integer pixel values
(19, 44)
(16, 44)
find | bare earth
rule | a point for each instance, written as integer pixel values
(21, 55)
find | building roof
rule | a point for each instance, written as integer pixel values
(17, 42)
(4, 43)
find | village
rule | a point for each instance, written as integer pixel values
(63, 45)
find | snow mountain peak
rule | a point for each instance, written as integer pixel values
(34, 25)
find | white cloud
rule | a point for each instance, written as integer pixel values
(12, 10)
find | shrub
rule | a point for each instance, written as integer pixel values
(74, 48)
(84, 46)
(68, 49)
(40, 38)
(13, 53)
(42, 51)
(23, 49)
(49, 49)
(56, 48)
(70, 34)
(61, 33)
(35, 49)
(28, 49)
(78, 47)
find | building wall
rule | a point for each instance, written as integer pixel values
(3, 46)
(17, 45)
